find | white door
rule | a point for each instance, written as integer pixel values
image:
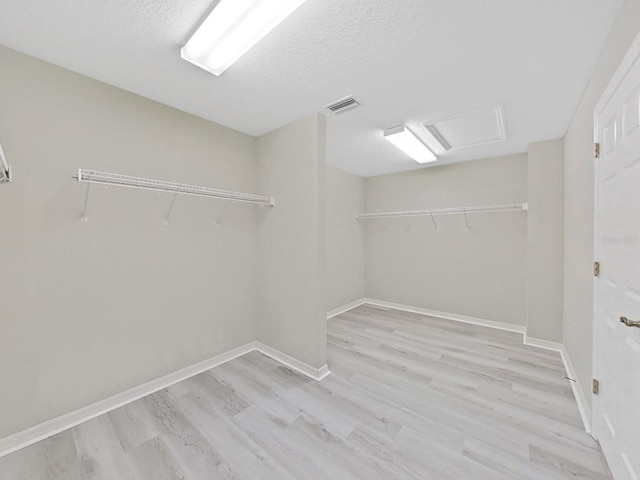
(616, 409)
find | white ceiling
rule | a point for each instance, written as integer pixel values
(406, 61)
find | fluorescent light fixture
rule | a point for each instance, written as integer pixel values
(231, 29)
(406, 140)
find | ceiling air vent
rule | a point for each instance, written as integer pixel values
(343, 105)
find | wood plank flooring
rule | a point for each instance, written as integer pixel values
(410, 397)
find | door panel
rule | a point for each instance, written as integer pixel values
(616, 419)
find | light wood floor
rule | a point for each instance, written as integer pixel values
(410, 397)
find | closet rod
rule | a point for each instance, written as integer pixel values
(103, 178)
(5, 169)
(446, 211)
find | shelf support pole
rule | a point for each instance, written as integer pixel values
(86, 204)
(173, 201)
(224, 209)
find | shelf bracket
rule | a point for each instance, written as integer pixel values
(224, 209)
(86, 204)
(409, 224)
(173, 201)
(5, 173)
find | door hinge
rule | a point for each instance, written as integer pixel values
(596, 150)
(596, 386)
(596, 269)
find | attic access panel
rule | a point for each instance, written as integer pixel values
(471, 129)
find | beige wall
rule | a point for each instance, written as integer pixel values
(89, 310)
(579, 200)
(292, 238)
(478, 272)
(92, 309)
(545, 225)
(345, 238)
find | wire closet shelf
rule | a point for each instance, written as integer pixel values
(510, 207)
(118, 180)
(94, 176)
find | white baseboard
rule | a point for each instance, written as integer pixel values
(448, 316)
(59, 424)
(540, 343)
(317, 374)
(69, 420)
(578, 392)
(345, 308)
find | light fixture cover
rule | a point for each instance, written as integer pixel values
(231, 29)
(406, 140)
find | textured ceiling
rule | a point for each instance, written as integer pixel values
(406, 61)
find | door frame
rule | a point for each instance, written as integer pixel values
(618, 77)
